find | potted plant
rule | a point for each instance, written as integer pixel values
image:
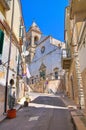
(27, 100)
(11, 113)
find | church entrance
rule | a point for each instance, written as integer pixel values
(42, 71)
(42, 74)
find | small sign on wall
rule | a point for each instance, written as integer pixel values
(2, 74)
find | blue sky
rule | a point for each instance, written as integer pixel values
(48, 14)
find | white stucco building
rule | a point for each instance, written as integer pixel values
(7, 8)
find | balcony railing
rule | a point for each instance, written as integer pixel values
(6, 4)
(78, 7)
(66, 58)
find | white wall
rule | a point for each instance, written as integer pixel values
(14, 53)
(17, 16)
(51, 58)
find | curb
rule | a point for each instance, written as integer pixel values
(79, 125)
(2, 117)
(77, 121)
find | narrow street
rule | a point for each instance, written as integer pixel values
(43, 113)
(42, 66)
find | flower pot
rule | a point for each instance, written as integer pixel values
(25, 104)
(11, 113)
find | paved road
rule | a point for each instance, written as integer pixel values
(43, 113)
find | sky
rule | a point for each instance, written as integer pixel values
(48, 15)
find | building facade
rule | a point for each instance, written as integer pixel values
(10, 23)
(75, 41)
(44, 59)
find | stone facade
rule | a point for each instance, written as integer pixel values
(45, 56)
(82, 53)
(84, 83)
(72, 81)
(75, 34)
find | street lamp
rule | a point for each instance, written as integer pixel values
(9, 56)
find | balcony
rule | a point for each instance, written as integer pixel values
(6, 4)
(66, 58)
(78, 7)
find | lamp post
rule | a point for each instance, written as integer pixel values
(9, 56)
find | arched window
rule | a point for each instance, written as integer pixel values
(36, 39)
(56, 73)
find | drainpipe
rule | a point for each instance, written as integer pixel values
(9, 56)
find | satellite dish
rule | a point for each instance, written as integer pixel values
(26, 53)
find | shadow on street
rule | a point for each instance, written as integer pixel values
(48, 101)
(40, 118)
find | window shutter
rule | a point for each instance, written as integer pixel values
(1, 40)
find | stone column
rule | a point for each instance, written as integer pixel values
(77, 66)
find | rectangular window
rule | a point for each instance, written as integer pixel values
(1, 41)
(32, 81)
(42, 74)
(56, 75)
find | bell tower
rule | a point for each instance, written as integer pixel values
(33, 36)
